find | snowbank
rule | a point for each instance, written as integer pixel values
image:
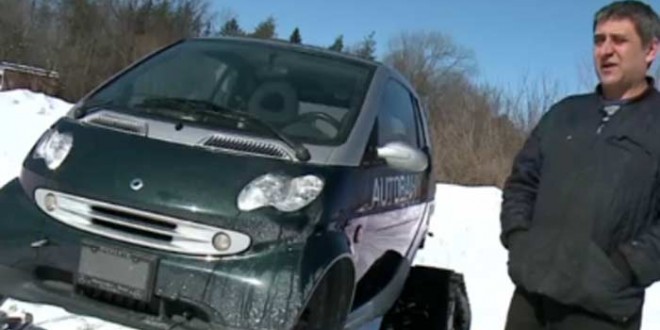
(24, 116)
(55, 318)
(465, 227)
(465, 238)
(466, 231)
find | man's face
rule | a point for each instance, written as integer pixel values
(620, 58)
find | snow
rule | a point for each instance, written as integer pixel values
(24, 117)
(465, 230)
(465, 227)
(48, 317)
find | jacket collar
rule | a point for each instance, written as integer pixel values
(649, 90)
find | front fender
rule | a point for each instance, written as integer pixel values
(323, 251)
(20, 224)
(267, 287)
(270, 290)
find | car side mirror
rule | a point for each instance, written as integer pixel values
(402, 156)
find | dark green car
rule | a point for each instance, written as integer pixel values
(225, 184)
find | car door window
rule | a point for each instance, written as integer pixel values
(396, 119)
(422, 129)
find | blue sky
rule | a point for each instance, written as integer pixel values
(510, 39)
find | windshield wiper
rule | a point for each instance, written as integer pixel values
(214, 110)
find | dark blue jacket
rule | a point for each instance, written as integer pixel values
(580, 207)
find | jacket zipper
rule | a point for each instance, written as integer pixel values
(609, 110)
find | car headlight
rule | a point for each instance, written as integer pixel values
(281, 192)
(53, 148)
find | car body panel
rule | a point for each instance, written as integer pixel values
(256, 290)
(368, 213)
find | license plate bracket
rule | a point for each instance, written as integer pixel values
(118, 271)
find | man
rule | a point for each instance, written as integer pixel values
(581, 208)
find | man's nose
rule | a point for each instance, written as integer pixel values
(606, 48)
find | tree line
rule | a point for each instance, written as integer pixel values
(267, 29)
(87, 41)
(477, 129)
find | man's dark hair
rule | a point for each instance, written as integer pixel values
(644, 18)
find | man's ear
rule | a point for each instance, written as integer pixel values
(652, 51)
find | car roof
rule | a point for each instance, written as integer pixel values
(317, 50)
(299, 47)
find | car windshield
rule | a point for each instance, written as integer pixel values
(309, 97)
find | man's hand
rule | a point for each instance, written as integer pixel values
(619, 261)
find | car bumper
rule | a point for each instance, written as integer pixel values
(263, 289)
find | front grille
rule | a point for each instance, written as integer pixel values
(136, 226)
(118, 122)
(120, 301)
(248, 145)
(105, 212)
(175, 310)
(130, 230)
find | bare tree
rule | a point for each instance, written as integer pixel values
(21, 23)
(530, 100)
(477, 129)
(87, 41)
(587, 78)
(366, 48)
(428, 59)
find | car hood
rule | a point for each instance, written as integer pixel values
(188, 182)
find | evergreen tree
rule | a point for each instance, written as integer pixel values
(366, 48)
(338, 45)
(295, 37)
(231, 28)
(265, 29)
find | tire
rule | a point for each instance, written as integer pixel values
(433, 299)
(329, 306)
(459, 313)
(317, 316)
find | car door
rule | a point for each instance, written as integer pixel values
(383, 233)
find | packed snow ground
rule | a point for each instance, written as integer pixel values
(465, 227)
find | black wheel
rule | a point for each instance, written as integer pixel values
(314, 314)
(432, 299)
(329, 306)
(459, 313)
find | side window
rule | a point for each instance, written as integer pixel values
(396, 118)
(422, 130)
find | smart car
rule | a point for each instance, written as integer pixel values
(226, 183)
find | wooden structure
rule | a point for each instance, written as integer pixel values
(17, 76)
